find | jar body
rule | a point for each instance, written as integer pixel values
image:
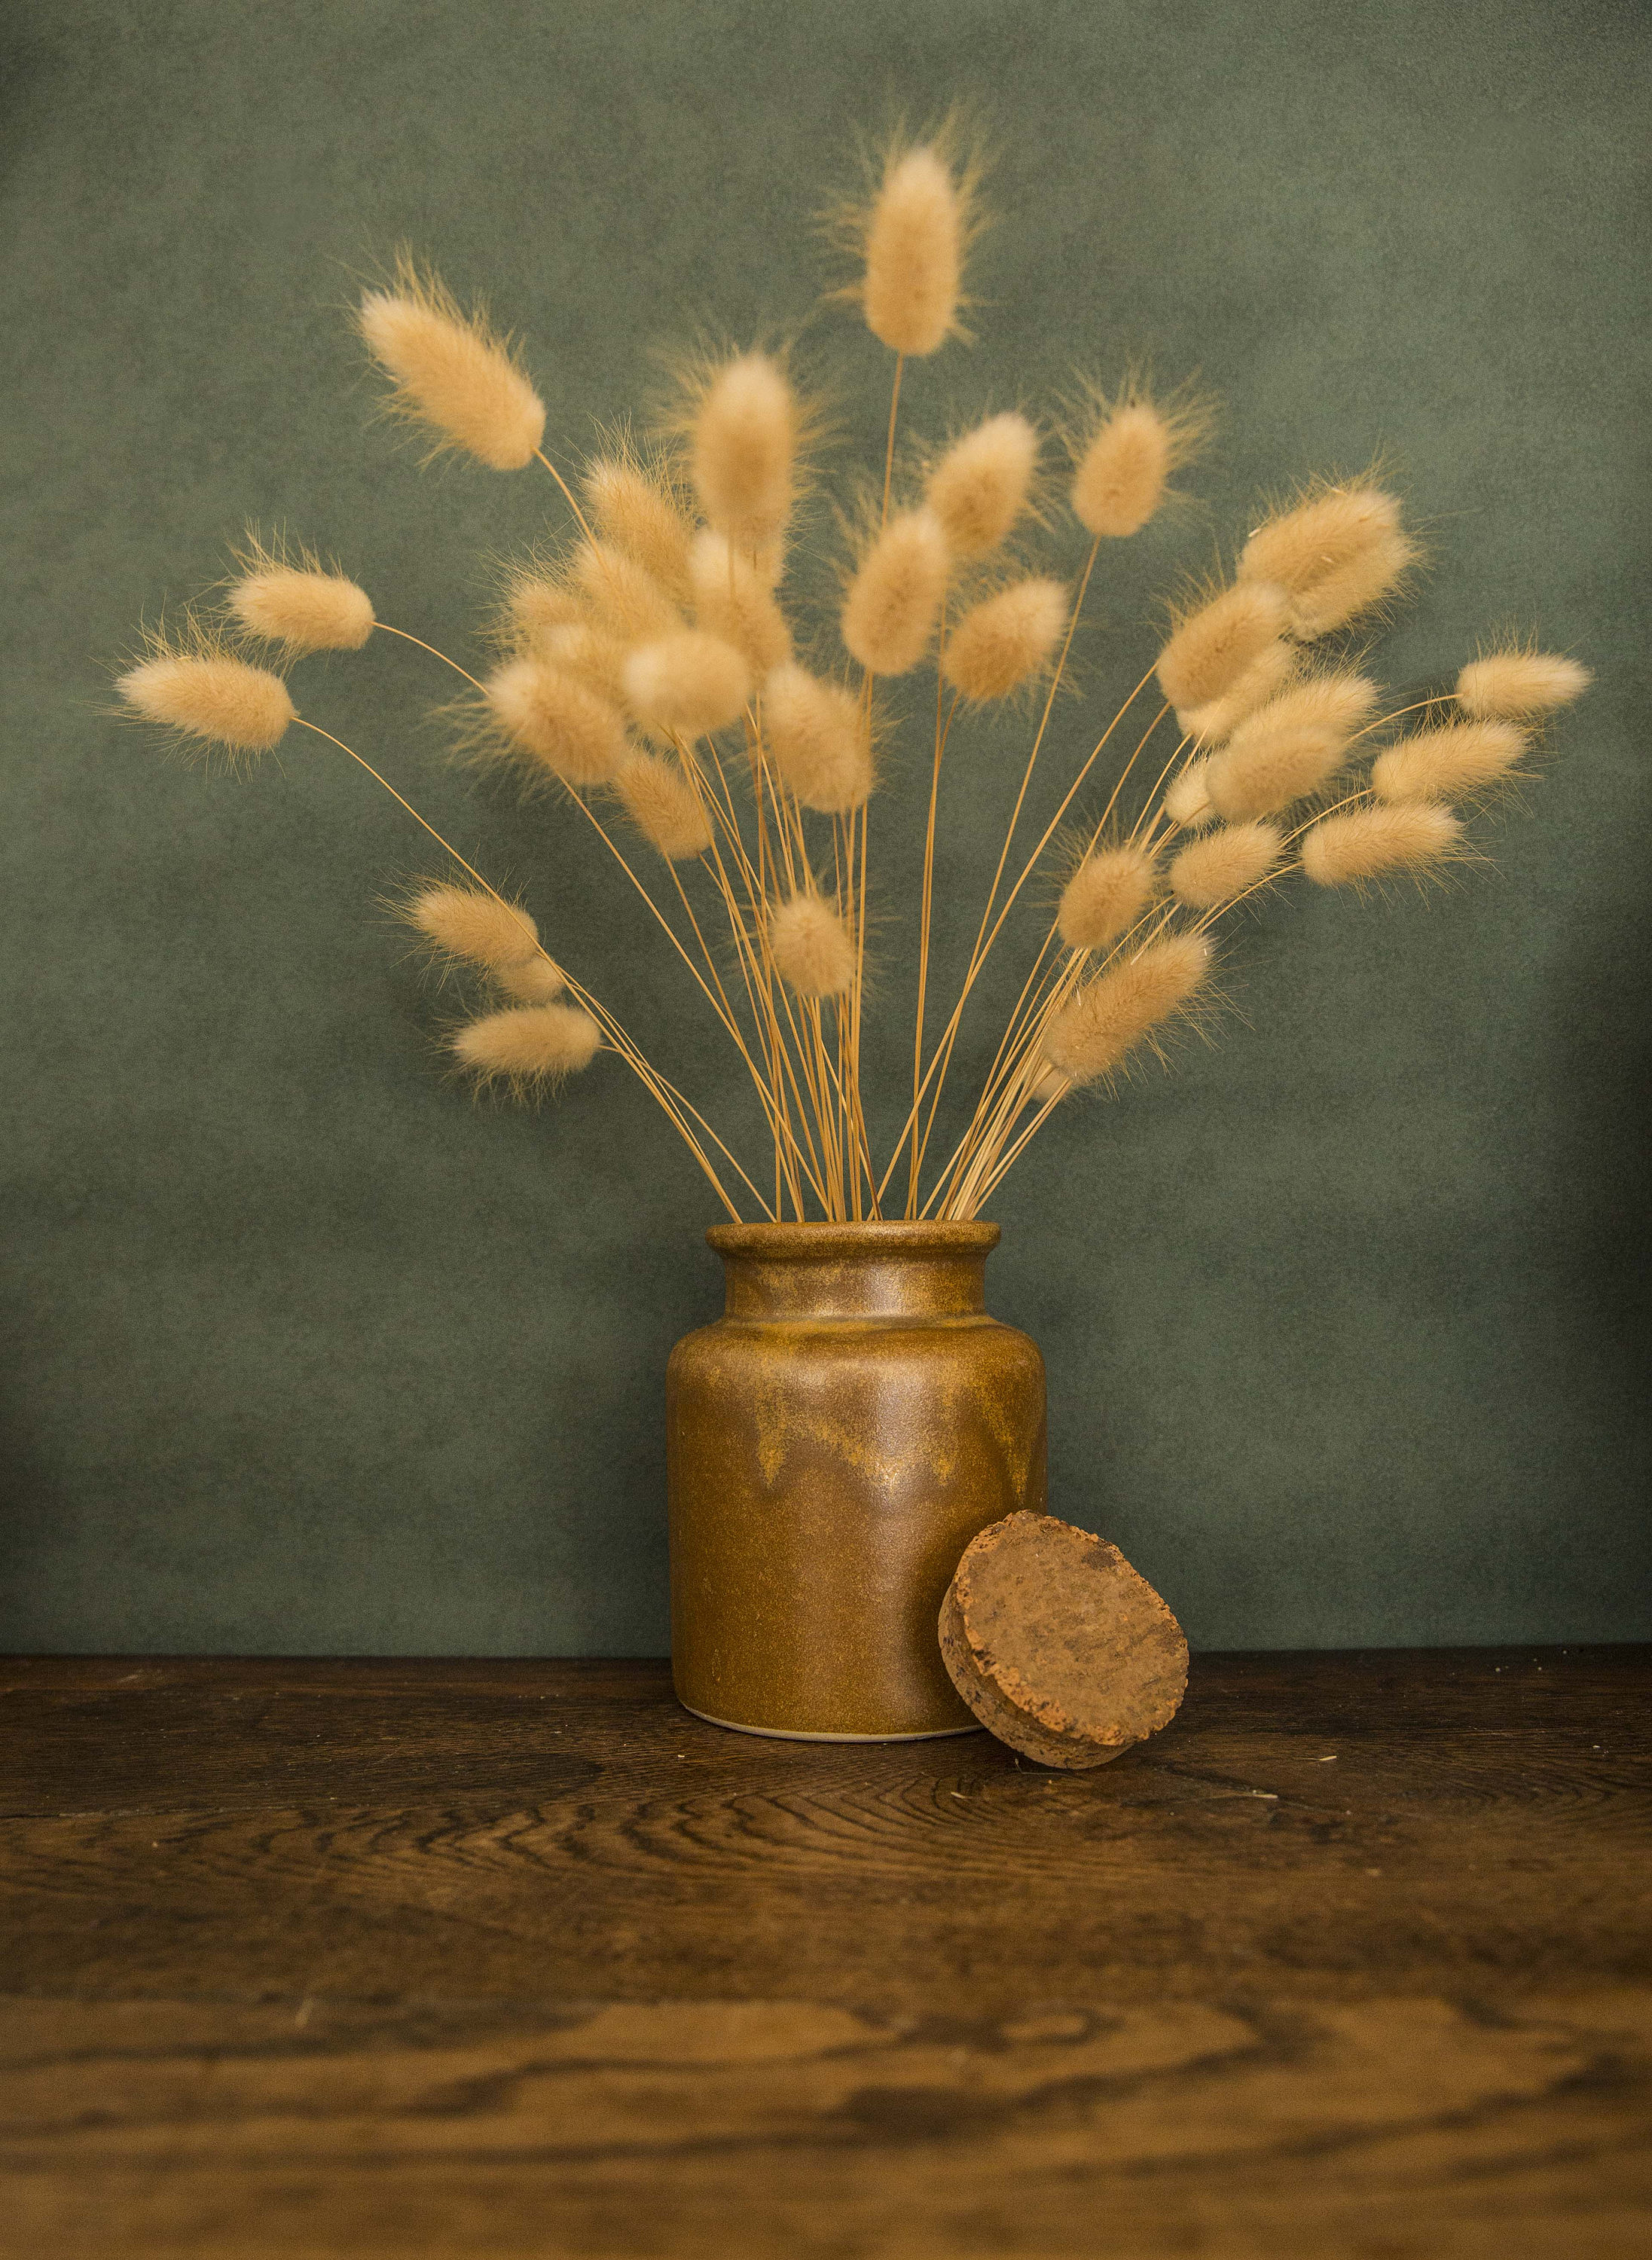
(834, 1441)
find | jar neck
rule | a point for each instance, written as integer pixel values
(855, 1271)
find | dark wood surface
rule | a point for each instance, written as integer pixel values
(510, 1959)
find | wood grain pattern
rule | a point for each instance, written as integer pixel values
(317, 1959)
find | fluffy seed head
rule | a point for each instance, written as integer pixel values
(451, 373)
(687, 685)
(1224, 863)
(596, 656)
(536, 601)
(1213, 648)
(818, 737)
(1335, 556)
(207, 694)
(1268, 673)
(1048, 1086)
(743, 442)
(1112, 1014)
(1446, 764)
(731, 599)
(1187, 800)
(890, 610)
(1126, 451)
(664, 807)
(1105, 896)
(1518, 686)
(1006, 639)
(546, 713)
(979, 487)
(534, 982)
(299, 606)
(477, 927)
(527, 1045)
(915, 235)
(812, 948)
(1339, 851)
(1288, 747)
(623, 597)
(635, 510)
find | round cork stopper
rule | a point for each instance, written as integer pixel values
(1056, 1644)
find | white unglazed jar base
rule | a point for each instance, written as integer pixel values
(799, 1735)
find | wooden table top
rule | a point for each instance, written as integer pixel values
(310, 1958)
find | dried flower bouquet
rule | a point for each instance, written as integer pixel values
(649, 669)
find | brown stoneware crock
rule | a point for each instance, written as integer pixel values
(835, 1439)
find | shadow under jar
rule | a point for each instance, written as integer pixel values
(834, 1441)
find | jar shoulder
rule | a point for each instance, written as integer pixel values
(731, 1343)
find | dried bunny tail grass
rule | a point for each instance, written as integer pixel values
(818, 739)
(1338, 552)
(1048, 1086)
(535, 981)
(535, 598)
(1105, 896)
(1007, 639)
(980, 486)
(1116, 1011)
(593, 653)
(290, 597)
(1519, 685)
(733, 600)
(664, 807)
(1268, 674)
(913, 234)
(632, 503)
(1289, 748)
(189, 683)
(745, 429)
(687, 685)
(478, 927)
(1224, 863)
(526, 1047)
(1124, 448)
(558, 723)
(812, 948)
(451, 373)
(1214, 643)
(894, 596)
(1448, 763)
(622, 596)
(1368, 843)
(1187, 801)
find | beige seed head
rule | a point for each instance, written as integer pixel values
(1335, 554)
(1105, 896)
(477, 927)
(534, 982)
(1006, 639)
(664, 807)
(980, 486)
(634, 509)
(1341, 851)
(743, 444)
(207, 694)
(1187, 800)
(1224, 863)
(731, 599)
(819, 740)
(301, 609)
(548, 714)
(1288, 747)
(535, 602)
(1120, 478)
(1448, 763)
(1268, 673)
(893, 600)
(1048, 1086)
(1211, 648)
(451, 373)
(1518, 686)
(595, 655)
(527, 1046)
(624, 598)
(687, 685)
(1111, 1015)
(810, 945)
(915, 235)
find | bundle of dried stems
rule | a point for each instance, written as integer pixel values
(647, 667)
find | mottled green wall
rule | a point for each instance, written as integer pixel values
(304, 1352)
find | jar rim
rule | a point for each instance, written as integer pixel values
(809, 1243)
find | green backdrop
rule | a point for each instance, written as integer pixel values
(304, 1351)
